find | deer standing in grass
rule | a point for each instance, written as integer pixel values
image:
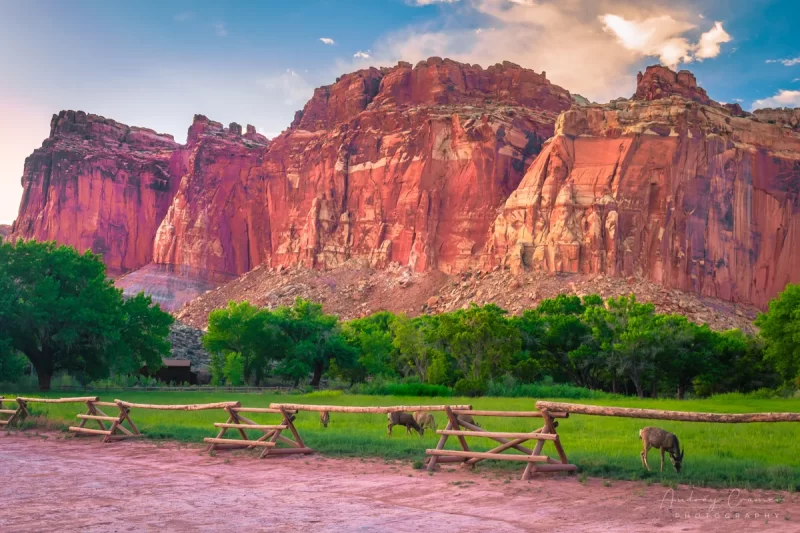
(399, 418)
(324, 418)
(425, 420)
(665, 441)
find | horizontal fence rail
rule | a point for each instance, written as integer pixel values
(657, 414)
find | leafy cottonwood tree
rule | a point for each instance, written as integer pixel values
(62, 313)
(780, 327)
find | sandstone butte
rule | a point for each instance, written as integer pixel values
(5, 231)
(440, 166)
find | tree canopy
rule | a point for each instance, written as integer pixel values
(60, 311)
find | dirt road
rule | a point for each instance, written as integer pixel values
(59, 483)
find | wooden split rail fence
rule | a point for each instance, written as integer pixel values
(508, 441)
(13, 415)
(271, 433)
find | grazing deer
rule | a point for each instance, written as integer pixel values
(665, 441)
(425, 420)
(399, 418)
(468, 419)
(324, 418)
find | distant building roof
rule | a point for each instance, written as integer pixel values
(177, 362)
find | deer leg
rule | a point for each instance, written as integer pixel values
(662, 459)
(644, 457)
(389, 429)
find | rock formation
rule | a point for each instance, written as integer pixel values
(5, 231)
(407, 164)
(669, 187)
(101, 185)
(423, 166)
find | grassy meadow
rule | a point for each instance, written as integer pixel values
(721, 455)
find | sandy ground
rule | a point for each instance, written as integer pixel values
(58, 483)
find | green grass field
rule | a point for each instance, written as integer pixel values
(720, 455)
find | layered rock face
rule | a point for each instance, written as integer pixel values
(407, 164)
(5, 231)
(665, 187)
(101, 185)
(439, 166)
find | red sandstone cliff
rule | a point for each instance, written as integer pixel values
(407, 164)
(669, 187)
(424, 166)
(5, 231)
(101, 185)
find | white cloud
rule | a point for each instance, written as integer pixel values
(431, 2)
(183, 16)
(710, 41)
(738, 100)
(786, 62)
(361, 55)
(662, 36)
(327, 40)
(220, 29)
(784, 98)
(289, 86)
(565, 38)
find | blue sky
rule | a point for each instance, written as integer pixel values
(156, 64)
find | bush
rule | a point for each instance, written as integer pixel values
(544, 390)
(402, 389)
(470, 387)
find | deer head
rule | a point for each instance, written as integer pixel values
(677, 460)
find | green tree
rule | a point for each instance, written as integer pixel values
(371, 337)
(217, 368)
(483, 342)
(780, 328)
(415, 354)
(234, 369)
(312, 340)
(62, 313)
(244, 329)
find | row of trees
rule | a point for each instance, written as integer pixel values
(59, 311)
(619, 345)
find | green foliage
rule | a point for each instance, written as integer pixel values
(58, 309)
(470, 387)
(234, 369)
(12, 364)
(403, 389)
(217, 369)
(242, 328)
(780, 328)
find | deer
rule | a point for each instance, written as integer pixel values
(324, 418)
(665, 441)
(468, 419)
(425, 420)
(399, 418)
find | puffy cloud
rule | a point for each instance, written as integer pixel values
(786, 62)
(710, 41)
(361, 55)
(784, 98)
(220, 29)
(662, 36)
(565, 38)
(289, 86)
(327, 40)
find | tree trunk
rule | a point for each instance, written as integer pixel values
(44, 380)
(614, 385)
(639, 389)
(680, 393)
(318, 368)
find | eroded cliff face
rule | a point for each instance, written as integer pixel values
(662, 187)
(5, 231)
(439, 166)
(100, 185)
(407, 164)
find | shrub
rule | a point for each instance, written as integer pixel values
(470, 387)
